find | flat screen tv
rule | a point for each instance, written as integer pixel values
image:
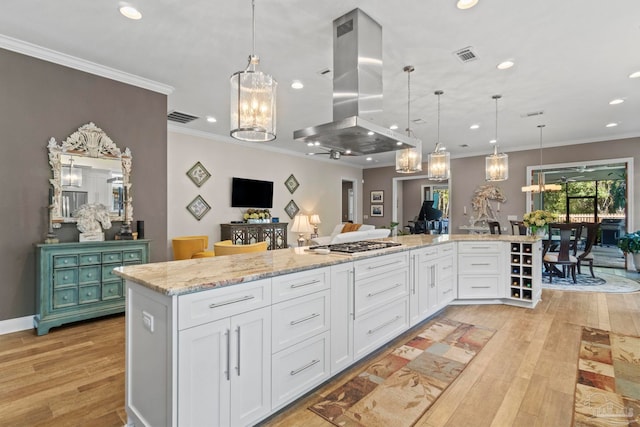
(251, 193)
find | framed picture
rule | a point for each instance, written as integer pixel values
(198, 207)
(377, 210)
(377, 196)
(198, 174)
(292, 184)
(291, 209)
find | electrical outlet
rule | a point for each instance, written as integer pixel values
(512, 217)
(147, 321)
(365, 216)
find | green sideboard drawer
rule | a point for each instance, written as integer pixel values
(75, 281)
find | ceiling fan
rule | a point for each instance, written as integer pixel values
(564, 179)
(333, 154)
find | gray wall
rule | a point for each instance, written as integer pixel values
(40, 100)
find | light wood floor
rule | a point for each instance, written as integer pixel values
(525, 376)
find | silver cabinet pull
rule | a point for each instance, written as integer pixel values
(376, 329)
(447, 267)
(351, 283)
(231, 301)
(373, 267)
(299, 285)
(304, 319)
(307, 366)
(238, 358)
(413, 272)
(480, 264)
(447, 291)
(480, 247)
(228, 371)
(372, 294)
(480, 287)
(433, 276)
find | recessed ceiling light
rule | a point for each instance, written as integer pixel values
(634, 75)
(611, 125)
(474, 126)
(347, 152)
(316, 143)
(493, 141)
(130, 12)
(309, 144)
(311, 154)
(393, 127)
(505, 65)
(398, 143)
(369, 159)
(616, 101)
(370, 133)
(466, 4)
(297, 84)
(211, 119)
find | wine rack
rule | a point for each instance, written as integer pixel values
(521, 267)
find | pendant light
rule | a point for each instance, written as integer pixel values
(71, 176)
(253, 99)
(439, 159)
(409, 160)
(496, 164)
(541, 186)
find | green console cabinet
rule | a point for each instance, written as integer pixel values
(75, 281)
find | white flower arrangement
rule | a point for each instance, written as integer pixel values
(538, 219)
(257, 214)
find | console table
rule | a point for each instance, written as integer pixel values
(275, 233)
(75, 281)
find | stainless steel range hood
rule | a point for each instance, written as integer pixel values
(357, 92)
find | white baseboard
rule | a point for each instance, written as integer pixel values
(15, 325)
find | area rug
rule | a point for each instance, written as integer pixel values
(604, 282)
(401, 385)
(608, 384)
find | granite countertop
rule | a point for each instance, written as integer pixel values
(182, 277)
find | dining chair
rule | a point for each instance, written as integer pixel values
(188, 247)
(226, 247)
(586, 256)
(519, 226)
(565, 257)
(494, 227)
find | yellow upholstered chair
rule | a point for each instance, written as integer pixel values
(226, 247)
(187, 247)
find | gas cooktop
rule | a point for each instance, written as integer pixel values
(355, 247)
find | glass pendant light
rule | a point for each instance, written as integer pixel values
(253, 99)
(541, 187)
(409, 160)
(439, 159)
(71, 176)
(496, 164)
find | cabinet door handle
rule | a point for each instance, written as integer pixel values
(238, 356)
(227, 372)
(413, 272)
(299, 285)
(433, 276)
(351, 283)
(307, 366)
(373, 267)
(447, 267)
(231, 301)
(304, 319)
(376, 329)
(372, 294)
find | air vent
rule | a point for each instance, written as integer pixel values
(419, 121)
(177, 116)
(464, 145)
(466, 54)
(532, 114)
(326, 73)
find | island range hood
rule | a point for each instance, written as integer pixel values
(357, 92)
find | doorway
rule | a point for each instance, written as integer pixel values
(407, 195)
(348, 210)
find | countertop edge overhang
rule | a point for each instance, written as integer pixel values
(183, 277)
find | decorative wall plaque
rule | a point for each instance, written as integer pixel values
(198, 207)
(291, 209)
(292, 184)
(198, 174)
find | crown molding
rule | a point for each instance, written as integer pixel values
(30, 49)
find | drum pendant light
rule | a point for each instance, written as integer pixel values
(253, 99)
(409, 160)
(496, 164)
(439, 159)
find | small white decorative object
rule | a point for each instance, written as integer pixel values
(92, 218)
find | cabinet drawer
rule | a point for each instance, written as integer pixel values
(89, 294)
(445, 267)
(376, 292)
(488, 264)
(107, 272)
(202, 307)
(108, 257)
(380, 265)
(298, 284)
(89, 274)
(446, 290)
(299, 368)
(65, 297)
(427, 254)
(377, 327)
(65, 261)
(479, 247)
(88, 259)
(478, 287)
(111, 290)
(298, 319)
(133, 255)
(65, 277)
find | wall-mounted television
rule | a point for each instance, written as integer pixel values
(251, 193)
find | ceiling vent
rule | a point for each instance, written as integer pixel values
(466, 54)
(532, 114)
(177, 116)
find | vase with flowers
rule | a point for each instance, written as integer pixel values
(538, 220)
(257, 216)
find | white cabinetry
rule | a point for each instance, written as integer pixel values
(342, 312)
(433, 280)
(481, 269)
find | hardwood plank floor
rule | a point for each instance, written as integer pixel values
(525, 376)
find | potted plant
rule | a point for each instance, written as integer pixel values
(538, 220)
(630, 244)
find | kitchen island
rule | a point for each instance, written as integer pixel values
(231, 340)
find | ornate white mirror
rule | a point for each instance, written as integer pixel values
(88, 167)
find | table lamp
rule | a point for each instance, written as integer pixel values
(301, 225)
(315, 220)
